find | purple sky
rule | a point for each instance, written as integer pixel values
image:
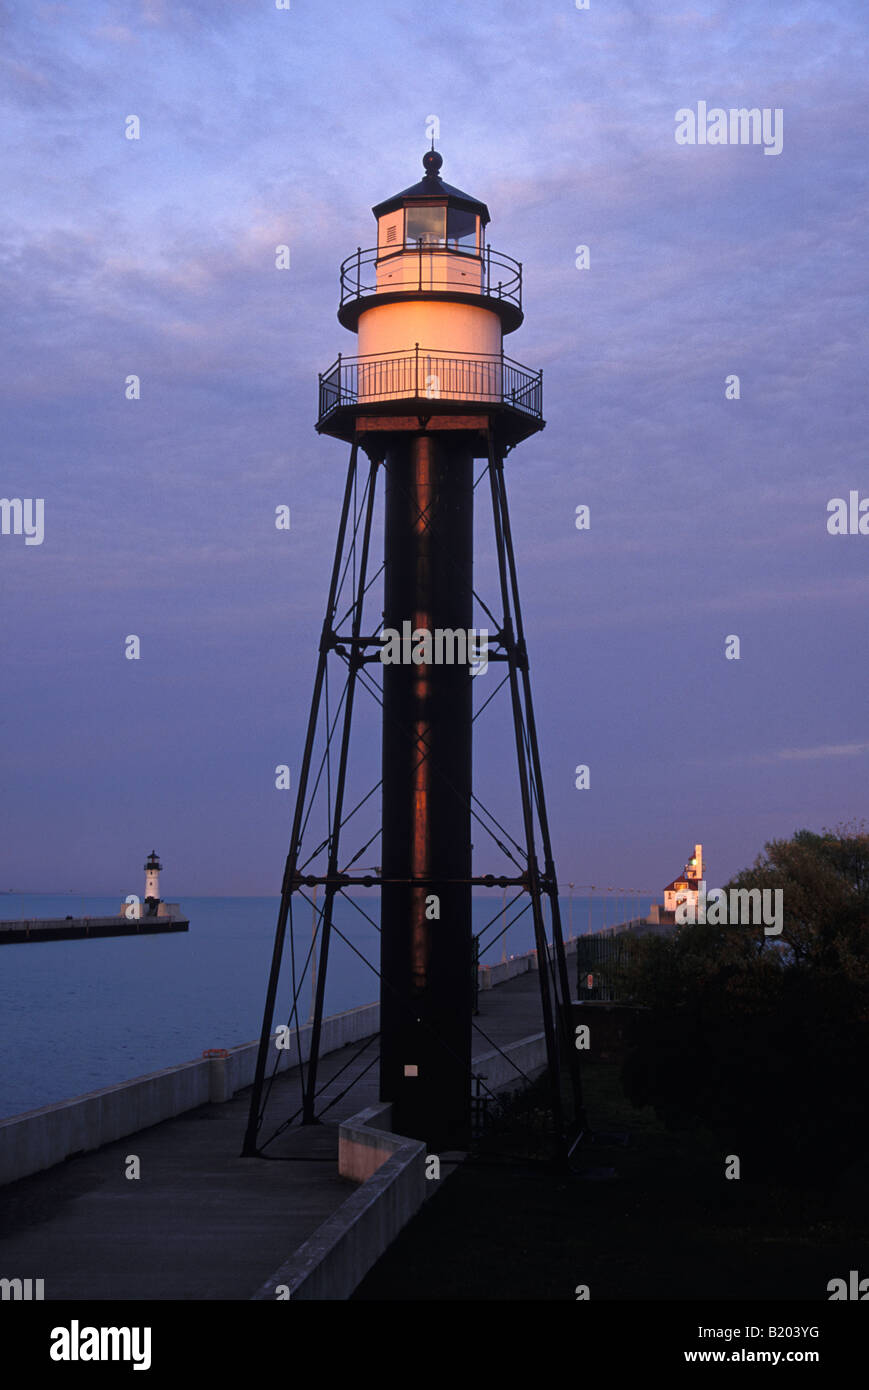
(156, 257)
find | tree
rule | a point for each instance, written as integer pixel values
(765, 1039)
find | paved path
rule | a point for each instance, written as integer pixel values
(201, 1222)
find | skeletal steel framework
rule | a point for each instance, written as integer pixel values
(429, 392)
(343, 637)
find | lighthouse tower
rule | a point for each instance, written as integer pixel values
(152, 877)
(428, 391)
(152, 904)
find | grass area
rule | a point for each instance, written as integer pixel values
(669, 1225)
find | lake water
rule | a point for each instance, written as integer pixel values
(78, 1015)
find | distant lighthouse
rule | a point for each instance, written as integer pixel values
(152, 904)
(683, 890)
(152, 877)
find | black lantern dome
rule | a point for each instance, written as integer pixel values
(432, 187)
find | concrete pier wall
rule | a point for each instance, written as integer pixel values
(31, 929)
(340, 1253)
(40, 1138)
(512, 1064)
(391, 1171)
(366, 1141)
(492, 975)
(233, 1068)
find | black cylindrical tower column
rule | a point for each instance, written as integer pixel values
(426, 957)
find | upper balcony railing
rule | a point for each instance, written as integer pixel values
(426, 266)
(421, 374)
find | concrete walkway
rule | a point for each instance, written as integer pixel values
(201, 1222)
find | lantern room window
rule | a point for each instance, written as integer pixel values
(462, 230)
(426, 224)
(454, 228)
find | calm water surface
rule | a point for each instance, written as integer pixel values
(78, 1015)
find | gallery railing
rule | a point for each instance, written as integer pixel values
(421, 374)
(424, 266)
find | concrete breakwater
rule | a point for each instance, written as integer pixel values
(39, 1139)
(309, 1229)
(76, 928)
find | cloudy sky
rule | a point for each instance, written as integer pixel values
(156, 257)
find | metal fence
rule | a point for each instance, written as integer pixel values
(599, 958)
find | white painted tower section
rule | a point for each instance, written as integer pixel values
(152, 876)
(459, 354)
